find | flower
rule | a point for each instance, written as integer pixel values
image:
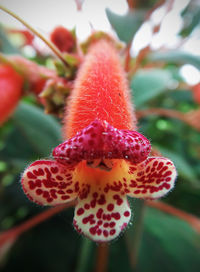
(11, 85)
(63, 39)
(104, 158)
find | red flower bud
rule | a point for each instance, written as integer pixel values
(63, 39)
(27, 35)
(10, 91)
(196, 93)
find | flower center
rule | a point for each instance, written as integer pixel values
(103, 164)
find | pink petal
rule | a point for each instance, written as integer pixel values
(101, 216)
(150, 179)
(101, 140)
(47, 182)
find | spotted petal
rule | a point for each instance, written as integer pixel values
(47, 182)
(101, 216)
(100, 140)
(150, 179)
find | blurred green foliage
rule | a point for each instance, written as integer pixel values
(168, 243)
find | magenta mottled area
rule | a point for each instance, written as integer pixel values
(101, 140)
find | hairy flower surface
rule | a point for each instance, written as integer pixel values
(103, 159)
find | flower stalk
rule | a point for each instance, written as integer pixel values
(15, 232)
(48, 43)
(85, 253)
(102, 257)
(134, 234)
(191, 118)
(189, 218)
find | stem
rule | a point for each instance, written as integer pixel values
(138, 62)
(131, 4)
(127, 57)
(160, 111)
(134, 234)
(85, 252)
(48, 43)
(17, 231)
(189, 218)
(102, 257)
(190, 118)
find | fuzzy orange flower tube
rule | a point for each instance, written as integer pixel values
(103, 158)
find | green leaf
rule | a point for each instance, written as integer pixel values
(183, 167)
(85, 255)
(42, 131)
(126, 25)
(5, 46)
(147, 84)
(191, 19)
(177, 57)
(168, 244)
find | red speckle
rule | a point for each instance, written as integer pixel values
(54, 170)
(59, 177)
(45, 194)
(80, 211)
(112, 231)
(102, 200)
(87, 206)
(69, 191)
(31, 185)
(99, 231)
(93, 230)
(95, 195)
(38, 183)
(126, 213)
(99, 213)
(112, 224)
(93, 203)
(160, 165)
(85, 220)
(105, 233)
(100, 222)
(65, 197)
(168, 179)
(49, 199)
(38, 191)
(168, 173)
(31, 176)
(137, 192)
(116, 215)
(119, 201)
(166, 185)
(61, 192)
(110, 207)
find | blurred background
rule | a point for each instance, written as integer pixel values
(159, 45)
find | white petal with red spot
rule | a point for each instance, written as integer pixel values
(101, 216)
(151, 179)
(47, 182)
